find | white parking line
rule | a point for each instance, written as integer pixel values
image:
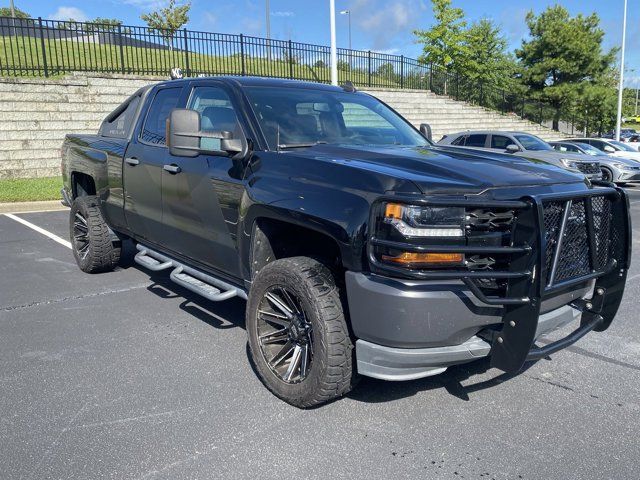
(52, 236)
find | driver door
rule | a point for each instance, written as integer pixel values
(201, 195)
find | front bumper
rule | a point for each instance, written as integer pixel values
(626, 176)
(419, 324)
(408, 330)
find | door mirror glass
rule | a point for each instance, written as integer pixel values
(187, 139)
(513, 148)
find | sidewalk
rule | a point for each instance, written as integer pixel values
(22, 207)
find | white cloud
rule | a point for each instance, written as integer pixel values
(146, 4)
(282, 14)
(383, 21)
(66, 13)
(388, 51)
(251, 26)
(209, 19)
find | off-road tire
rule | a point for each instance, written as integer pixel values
(331, 374)
(102, 252)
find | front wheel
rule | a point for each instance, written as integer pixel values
(607, 175)
(298, 334)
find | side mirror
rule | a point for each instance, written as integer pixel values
(186, 139)
(425, 130)
(609, 149)
(513, 148)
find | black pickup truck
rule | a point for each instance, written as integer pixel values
(360, 247)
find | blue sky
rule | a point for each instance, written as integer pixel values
(382, 25)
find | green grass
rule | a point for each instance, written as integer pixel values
(22, 56)
(30, 189)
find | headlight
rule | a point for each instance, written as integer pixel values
(572, 164)
(622, 166)
(409, 225)
(412, 221)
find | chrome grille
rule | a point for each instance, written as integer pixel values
(588, 168)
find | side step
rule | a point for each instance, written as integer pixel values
(209, 287)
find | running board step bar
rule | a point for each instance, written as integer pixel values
(205, 285)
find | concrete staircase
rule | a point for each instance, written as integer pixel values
(447, 116)
(37, 113)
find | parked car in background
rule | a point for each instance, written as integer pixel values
(618, 170)
(633, 141)
(625, 134)
(611, 147)
(523, 145)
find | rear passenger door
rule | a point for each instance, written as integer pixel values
(143, 166)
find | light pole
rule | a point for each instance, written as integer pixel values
(621, 86)
(268, 20)
(13, 17)
(636, 109)
(348, 13)
(334, 49)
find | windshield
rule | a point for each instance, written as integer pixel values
(622, 146)
(529, 142)
(298, 117)
(589, 149)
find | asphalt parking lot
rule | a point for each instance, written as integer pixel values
(126, 375)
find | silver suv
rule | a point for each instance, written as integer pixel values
(524, 145)
(618, 170)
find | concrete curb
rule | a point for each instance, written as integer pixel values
(24, 207)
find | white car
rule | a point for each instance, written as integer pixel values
(611, 147)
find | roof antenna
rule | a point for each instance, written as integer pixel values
(348, 87)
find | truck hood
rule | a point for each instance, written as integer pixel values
(445, 169)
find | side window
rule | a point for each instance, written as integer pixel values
(459, 141)
(501, 142)
(358, 116)
(599, 145)
(571, 148)
(476, 140)
(155, 125)
(120, 125)
(215, 108)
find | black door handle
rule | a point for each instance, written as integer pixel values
(133, 161)
(173, 168)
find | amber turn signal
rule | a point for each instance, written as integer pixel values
(413, 258)
(393, 210)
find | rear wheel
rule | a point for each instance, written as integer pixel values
(298, 334)
(94, 247)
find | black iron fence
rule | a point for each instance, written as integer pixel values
(50, 48)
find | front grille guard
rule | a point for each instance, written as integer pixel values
(528, 278)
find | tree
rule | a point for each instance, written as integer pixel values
(6, 12)
(563, 56)
(167, 21)
(443, 43)
(484, 57)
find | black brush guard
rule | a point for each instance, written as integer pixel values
(537, 257)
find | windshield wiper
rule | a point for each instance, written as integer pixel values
(285, 146)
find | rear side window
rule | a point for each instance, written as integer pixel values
(155, 125)
(120, 125)
(501, 142)
(459, 141)
(476, 140)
